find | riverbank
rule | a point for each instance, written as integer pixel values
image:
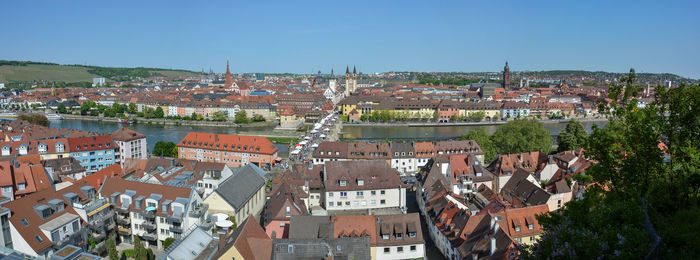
(163, 121)
(482, 123)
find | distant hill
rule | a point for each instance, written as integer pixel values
(28, 71)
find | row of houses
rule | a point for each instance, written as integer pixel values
(405, 157)
(445, 110)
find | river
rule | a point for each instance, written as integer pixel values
(172, 133)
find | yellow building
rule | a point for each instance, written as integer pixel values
(241, 195)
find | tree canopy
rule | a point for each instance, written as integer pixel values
(484, 140)
(643, 199)
(166, 149)
(37, 119)
(572, 137)
(522, 135)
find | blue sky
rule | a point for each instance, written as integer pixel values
(377, 36)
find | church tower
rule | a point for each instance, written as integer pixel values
(350, 80)
(229, 81)
(506, 76)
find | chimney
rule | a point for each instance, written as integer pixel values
(222, 243)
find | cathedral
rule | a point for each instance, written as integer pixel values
(350, 81)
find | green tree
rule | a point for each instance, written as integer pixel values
(645, 196)
(166, 149)
(112, 249)
(159, 113)
(167, 242)
(258, 118)
(37, 119)
(484, 140)
(522, 135)
(221, 115)
(132, 108)
(477, 116)
(241, 117)
(62, 109)
(572, 137)
(140, 252)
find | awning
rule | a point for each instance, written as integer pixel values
(307, 138)
(314, 131)
(303, 142)
(322, 136)
(295, 152)
(314, 145)
(326, 129)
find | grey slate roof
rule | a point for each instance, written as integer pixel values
(254, 168)
(308, 227)
(238, 189)
(340, 248)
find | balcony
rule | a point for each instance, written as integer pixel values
(123, 221)
(121, 210)
(96, 224)
(175, 229)
(149, 226)
(199, 210)
(149, 237)
(175, 219)
(124, 231)
(111, 225)
(98, 236)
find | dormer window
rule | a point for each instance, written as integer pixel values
(59, 147)
(42, 148)
(517, 229)
(412, 234)
(399, 235)
(360, 182)
(385, 237)
(530, 226)
(343, 183)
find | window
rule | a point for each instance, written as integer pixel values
(25, 222)
(343, 193)
(38, 238)
(347, 203)
(387, 250)
(290, 248)
(517, 229)
(330, 194)
(288, 211)
(530, 226)
(399, 249)
(360, 193)
(374, 192)
(413, 248)
(412, 234)
(382, 192)
(372, 202)
(382, 202)
(343, 183)
(360, 182)
(282, 224)
(399, 236)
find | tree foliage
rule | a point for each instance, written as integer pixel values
(644, 198)
(522, 135)
(112, 249)
(166, 149)
(62, 109)
(167, 242)
(572, 137)
(484, 140)
(37, 119)
(241, 117)
(221, 115)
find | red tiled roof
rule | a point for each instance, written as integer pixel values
(224, 142)
(91, 143)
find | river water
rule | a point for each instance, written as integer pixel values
(172, 133)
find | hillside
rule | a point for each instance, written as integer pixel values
(27, 71)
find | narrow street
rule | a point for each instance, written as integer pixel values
(431, 252)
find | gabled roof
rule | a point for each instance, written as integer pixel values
(126, 134)
(250, 240)
(239, 188)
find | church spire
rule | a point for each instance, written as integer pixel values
(228, 81)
